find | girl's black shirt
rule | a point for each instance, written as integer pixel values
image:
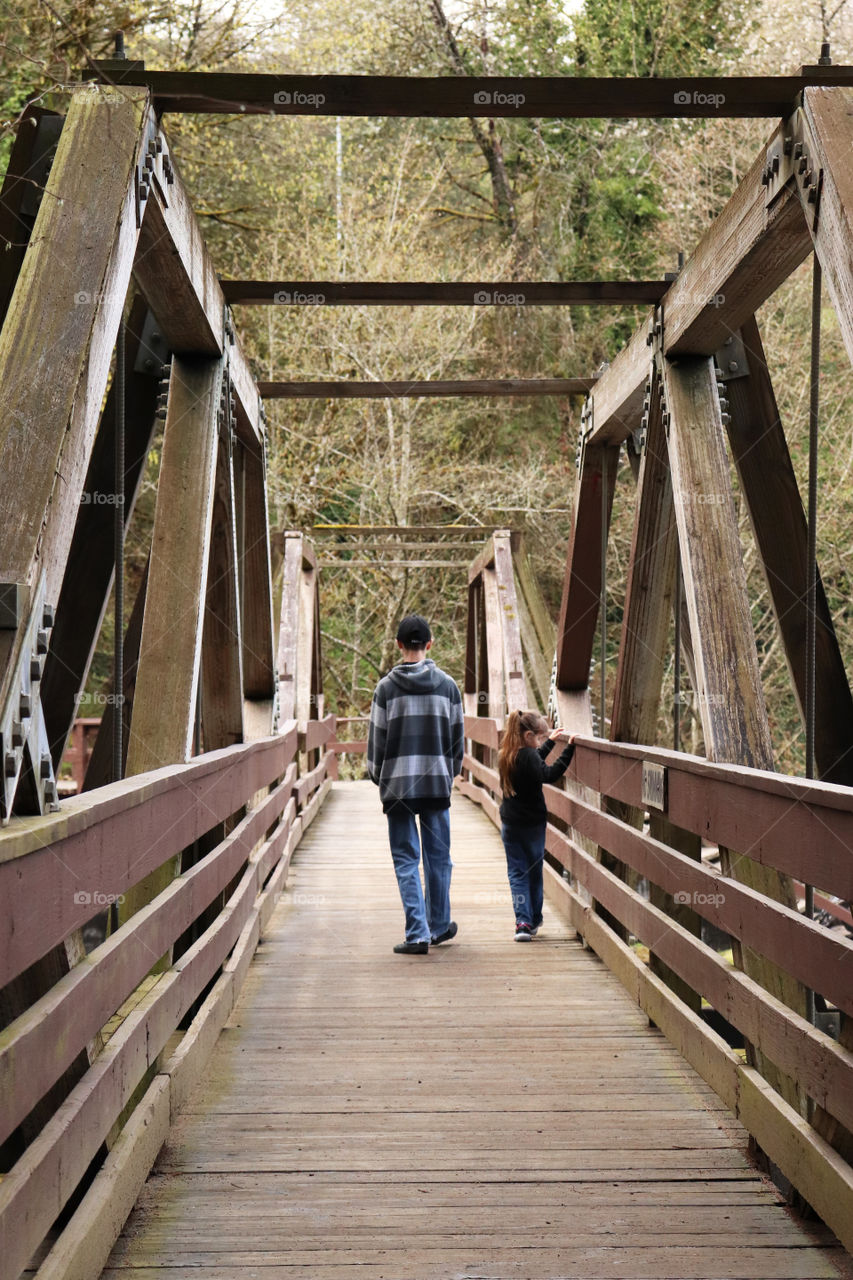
(529, 773)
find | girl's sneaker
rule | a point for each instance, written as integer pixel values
(523, 932)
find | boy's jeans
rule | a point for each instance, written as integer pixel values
(428, 908)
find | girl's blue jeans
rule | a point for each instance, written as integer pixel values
(525, 853)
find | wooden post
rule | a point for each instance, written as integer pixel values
(538, 630)
(164, 709)
(288, 631)
(825, 188)
(728, 682)
(20, 194)
(517, 696)
(221, 650)
(649, 590)
(56, 345)
(259, 681)
(89, 574)
(767, 479)
(100, 770)
(472, 650)
(576, 629)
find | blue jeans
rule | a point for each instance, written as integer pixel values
(428, 908)
(525, 853)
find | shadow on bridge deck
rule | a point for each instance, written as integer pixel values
(490, 1110)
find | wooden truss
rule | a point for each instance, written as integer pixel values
(691, 381)
(217, 779)
(224, 730)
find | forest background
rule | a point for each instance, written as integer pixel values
(387, 199)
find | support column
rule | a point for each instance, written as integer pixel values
(167, 679)
(728, 682)
(766, 475)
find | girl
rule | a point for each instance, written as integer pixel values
(526, 743)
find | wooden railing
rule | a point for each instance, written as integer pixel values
(802, 828)
(347, 745)
(56, 872)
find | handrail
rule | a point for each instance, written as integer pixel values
(791, 823)
(111, 838)
(105, 841)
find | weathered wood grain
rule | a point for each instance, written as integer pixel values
(222, 645)
(746, 253)
(576, 628)
(427, 1075)
(828, 135)
(176, 275)
(767, 480)
(71, 315)
(105, 841)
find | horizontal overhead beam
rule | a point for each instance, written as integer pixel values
(405, 530)
(401, 390)
(458, 293)
(464, 96)
(461, 565)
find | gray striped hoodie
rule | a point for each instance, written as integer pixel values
(416, 736)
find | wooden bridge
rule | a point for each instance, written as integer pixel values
(621, 1098)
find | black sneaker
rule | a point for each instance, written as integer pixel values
(450, 932)
(523, 932)
(412, 948)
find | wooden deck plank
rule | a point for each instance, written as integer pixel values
(529, 1119)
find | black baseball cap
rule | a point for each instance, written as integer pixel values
(413, 632)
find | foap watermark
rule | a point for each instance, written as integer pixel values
(705, 299)
(310, 899)
(496, 298)
(294, 298)
(86, 299)
(685, 898)
(293, 98)
(687, 698)
(498, 897)
(83, 898)
(494, 98)
(99, 699)
(98, 499)
(687, 498)
(684, 98)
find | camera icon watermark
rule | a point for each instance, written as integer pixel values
(495, 298)
(684, 898)
(86, 299)
(98, 499)
(484, 98)
(286, 98)
(683, 98)
(687, 498)
(83, 898)
(286, 298)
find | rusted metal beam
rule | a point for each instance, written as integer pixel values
(402, 390)
(457, 293)
(554, 97)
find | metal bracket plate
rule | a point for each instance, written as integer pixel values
(13, 602)
(153, 351)
(23, 735)
(732, 359)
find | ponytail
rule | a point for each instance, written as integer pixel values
(518, 723)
